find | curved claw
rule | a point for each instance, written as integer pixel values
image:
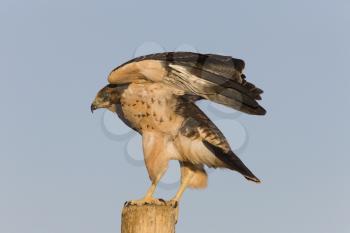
(173, 203)
(146, 201)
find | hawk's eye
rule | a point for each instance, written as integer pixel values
(105, 95)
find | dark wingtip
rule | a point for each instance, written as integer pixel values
(239, 64)
(258, 111)
(254, 179)
(261, 111)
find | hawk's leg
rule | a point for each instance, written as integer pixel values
(156, 161)
(148, 198)
(193, 176)
(184, 184)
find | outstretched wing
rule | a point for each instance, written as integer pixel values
(213, 77)
(197, 126)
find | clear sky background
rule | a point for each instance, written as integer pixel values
(63, 170)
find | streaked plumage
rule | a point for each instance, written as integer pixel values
(156, 94)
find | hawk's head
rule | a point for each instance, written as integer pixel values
(108, 97)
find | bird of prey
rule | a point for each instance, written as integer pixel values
(156, 94)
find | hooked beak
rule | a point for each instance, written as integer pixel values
(93, 107)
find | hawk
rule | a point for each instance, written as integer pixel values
(156, 94)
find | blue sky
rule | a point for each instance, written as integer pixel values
(65, 170)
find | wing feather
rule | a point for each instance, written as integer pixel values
(198, 126)
(232, 161)
(213, 77)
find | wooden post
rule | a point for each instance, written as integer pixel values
(149, 218)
